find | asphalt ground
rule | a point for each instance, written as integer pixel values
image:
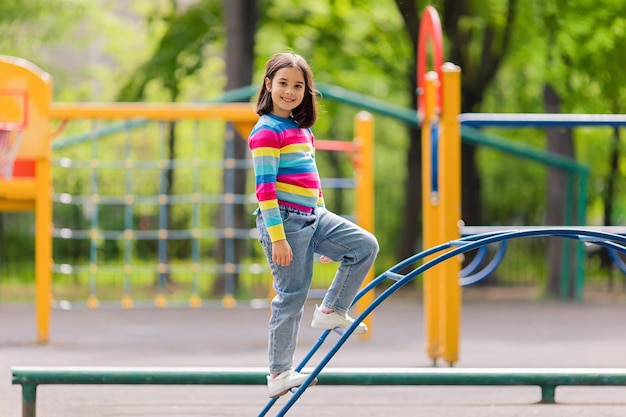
(494, 334)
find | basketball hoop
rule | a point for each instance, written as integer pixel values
(10, 141)
(13, 121)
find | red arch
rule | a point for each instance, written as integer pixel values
(430, 29)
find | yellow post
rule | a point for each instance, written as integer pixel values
(364, 138)
(34, 191)
(450, 215)
(43, 248)
(431, 229)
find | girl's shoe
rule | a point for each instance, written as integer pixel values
(333, 320)
(285, 381)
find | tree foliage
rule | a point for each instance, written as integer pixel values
(508, 51)
(181, 50)
(26, 27)
(584, 70)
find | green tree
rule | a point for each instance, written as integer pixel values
(509, 56)
(240, 20)
(584, 41)
(26, 28)
(564, 58)
(26, 31)
(477, 39)
(361, 46)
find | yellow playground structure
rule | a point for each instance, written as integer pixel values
(26, 113)
(25, 183)
(27, 121)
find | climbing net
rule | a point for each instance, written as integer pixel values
(162, 211)
(154, 205)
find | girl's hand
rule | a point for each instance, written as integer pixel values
(325, 259)
(281, 253)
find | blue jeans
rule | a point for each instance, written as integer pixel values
(324, 233)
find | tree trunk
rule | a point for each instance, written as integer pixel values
(412, 212)
(471, 201)
(410, 233)
(559, 141)
(476, 78)
(165, 278)
(609, 198)
(241, 19)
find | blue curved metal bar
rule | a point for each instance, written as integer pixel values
(470, 279)
(454, 248)
(541, 119)
(475, 262)
(614, 257)
(434, 158)
(617, 261)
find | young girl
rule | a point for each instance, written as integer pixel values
(292, 222)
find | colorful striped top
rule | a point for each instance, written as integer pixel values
(283, 156)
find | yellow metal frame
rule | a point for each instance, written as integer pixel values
(449, 215)
(241, 115)
(33, 194)
(442, 212)
(20, 194)
(364, 138)
(430, 212)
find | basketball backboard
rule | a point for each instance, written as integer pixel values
(25, 97)
(13, 109)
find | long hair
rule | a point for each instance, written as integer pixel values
(306, 113)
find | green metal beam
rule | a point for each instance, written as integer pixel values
(361, 101)
(546, 378)
(478, 137)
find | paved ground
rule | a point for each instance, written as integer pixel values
(494, 334)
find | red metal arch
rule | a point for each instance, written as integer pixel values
(430, 30)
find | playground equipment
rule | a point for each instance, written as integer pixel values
(26, 109)
(137, 117)
(241, 115)
(547, 379)
(30, 377)
(25, 185)
(442, 127)
(471, 121)
(26, 114)
(439, 118)
(439, 105)
(432, 258)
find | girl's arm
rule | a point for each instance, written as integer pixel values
(265, 149)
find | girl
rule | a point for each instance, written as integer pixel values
(292, 222)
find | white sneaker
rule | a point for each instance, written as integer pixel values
(333, 320)
(285, 381)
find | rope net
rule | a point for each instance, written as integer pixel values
(10, 141)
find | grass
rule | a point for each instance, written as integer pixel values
(109, 284)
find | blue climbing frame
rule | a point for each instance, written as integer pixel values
(470, 121)
(453, 248)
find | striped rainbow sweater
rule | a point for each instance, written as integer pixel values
(283, 156)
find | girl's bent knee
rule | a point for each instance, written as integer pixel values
(371, 242)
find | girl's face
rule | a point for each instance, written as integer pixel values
(287, 90)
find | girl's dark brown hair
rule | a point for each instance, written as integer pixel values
(306, 113)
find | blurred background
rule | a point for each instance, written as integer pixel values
(515, 57)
